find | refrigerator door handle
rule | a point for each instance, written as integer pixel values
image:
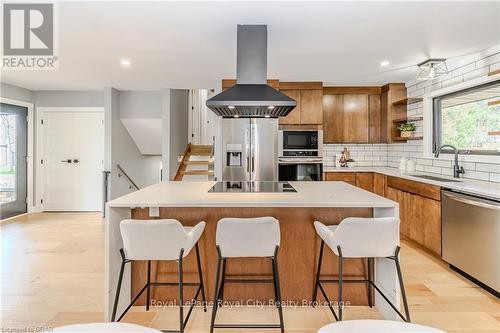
(253, 164)
(248, 164)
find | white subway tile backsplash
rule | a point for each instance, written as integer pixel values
(488, 167)
(423, 161)
(495, 177)
(441, 163)
(432, 169)
(462, 70)
(479, 175)
(476, 73)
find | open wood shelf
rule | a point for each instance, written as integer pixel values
(407, 119)
(408, 101)
(398, 138)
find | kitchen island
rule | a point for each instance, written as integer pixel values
(190, 202)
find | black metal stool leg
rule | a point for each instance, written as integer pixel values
(401, 284)
(368, 284)
(216, 293)
(119, 286)
(277, 290)
(148, 291)
(181, 294)
(316, 284)
(222, 284)
(340, 301)
(200, 276)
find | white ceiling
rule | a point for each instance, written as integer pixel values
(193, 45)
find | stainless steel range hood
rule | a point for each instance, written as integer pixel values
(251, 96)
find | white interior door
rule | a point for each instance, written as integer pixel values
(73, 153)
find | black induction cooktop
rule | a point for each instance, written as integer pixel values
(252, 187)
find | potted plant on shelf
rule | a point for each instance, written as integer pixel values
(406, 129)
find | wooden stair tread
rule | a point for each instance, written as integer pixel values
(196, 172)
(198, 162)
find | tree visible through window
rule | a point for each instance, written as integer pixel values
(469, 119)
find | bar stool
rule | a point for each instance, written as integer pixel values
(376, 326)
(160, 240)
(244, 238)
(360, 238)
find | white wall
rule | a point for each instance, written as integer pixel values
(15, 92)
(461, 70)
(121, 149)
(178, 130)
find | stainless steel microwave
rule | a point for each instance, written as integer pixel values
(300, 143)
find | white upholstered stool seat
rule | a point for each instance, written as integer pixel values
(105, 328)
(165, 239)
(246, 238)
(376, 326)
(357, 237)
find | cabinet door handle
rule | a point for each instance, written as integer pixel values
(76, 160)
(67, 161)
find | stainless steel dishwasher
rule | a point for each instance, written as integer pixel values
(471, 238)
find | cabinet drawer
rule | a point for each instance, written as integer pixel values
(348, 177)
(425, 190)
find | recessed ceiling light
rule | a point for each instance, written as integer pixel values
(384, 63)
(125, 62)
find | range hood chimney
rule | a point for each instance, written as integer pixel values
(251, 96)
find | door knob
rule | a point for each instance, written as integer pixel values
(67, 161)
(76, 161)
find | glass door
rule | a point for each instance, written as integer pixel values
(13, 151)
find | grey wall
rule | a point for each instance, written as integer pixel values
(14, 92)
(121, 149)
(141, 104)
(178, 130)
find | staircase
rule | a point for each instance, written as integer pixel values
(198, 160)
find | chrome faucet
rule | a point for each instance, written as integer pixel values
(457, 170)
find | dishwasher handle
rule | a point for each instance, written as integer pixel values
(468, 201)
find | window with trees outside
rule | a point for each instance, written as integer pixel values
(469, 120)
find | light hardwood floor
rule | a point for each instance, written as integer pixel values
(52, 274)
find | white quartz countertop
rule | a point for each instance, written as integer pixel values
(479, 188)
(195, 194)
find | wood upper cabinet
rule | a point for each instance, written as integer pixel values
(346, 118)
(356, 118)
(293, 118)
(333, 118)
(377, 120)
(309, 109)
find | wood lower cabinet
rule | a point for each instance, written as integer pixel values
(348, 177)
(364, 180)
(419, 204)
(419, 211)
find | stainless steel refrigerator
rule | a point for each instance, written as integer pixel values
(250, 149)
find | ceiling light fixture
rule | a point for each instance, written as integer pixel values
(384, 63)
(431, 69)
(125, 62)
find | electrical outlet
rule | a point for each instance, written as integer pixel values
(154, 211)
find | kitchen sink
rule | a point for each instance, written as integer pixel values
(438, 179)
